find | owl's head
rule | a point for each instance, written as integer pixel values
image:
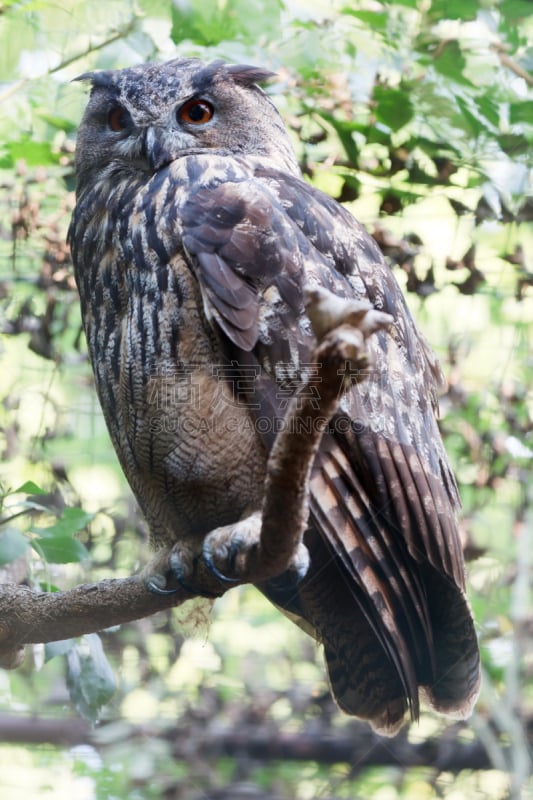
(144, 117)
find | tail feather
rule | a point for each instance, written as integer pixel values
(385, 590)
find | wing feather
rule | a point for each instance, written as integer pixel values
(382, 495)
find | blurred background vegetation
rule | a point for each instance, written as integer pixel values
(418, 114)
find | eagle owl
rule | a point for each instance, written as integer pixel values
(193, 237)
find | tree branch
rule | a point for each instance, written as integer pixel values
(341, 327)
(357, 746)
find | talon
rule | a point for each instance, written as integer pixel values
(178, 573)
(208, 561)
(157, 584)
(175, 564)
(152, 586)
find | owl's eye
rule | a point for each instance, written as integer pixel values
(118, 119)
(195, 112)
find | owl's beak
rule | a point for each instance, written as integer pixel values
(157, 154)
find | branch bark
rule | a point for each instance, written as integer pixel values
(341, 328)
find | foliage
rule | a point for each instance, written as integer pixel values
(418, 114)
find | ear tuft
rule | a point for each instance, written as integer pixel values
(246, 74)
(99, 78)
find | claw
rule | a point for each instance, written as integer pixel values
(156, 583)
(153, 586)
(217, 573)
(176, 568)
(208, 561)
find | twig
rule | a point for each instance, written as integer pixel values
(507, 61)
(13, 88)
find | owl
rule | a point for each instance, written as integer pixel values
(193, 238)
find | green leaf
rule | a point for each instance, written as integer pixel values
(515, 145)
(60, 648)
(29, 488)
(454, 9)
(90, 679)
(521, 112)
(60, 123)
(451, 63)
(490, 109)
(514, 10)
(35, 154)
(473, 122)
(376, 20)
(344, 130)
(71, 521)
(46, 586)
(60, 549)
(13, 544)
(393, 107)
(209, 22)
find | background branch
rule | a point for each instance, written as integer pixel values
(357, 745)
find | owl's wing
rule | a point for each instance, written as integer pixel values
(385, 590)
(241, 244)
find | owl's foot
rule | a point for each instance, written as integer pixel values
(233, 554)
(171, 571)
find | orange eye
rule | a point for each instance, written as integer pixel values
(195, 112)
(118, 119)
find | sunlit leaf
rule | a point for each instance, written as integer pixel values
(34, 154)
(29, 488)
(377, 20)
(208, 22)
(71, 521)
(61, 549)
